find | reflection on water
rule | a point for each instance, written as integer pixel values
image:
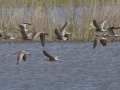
(80, 67)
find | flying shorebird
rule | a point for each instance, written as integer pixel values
(62, 35)
(42, 37)
(111, 32)
(100, 38)
(99, 28)
(24, 35)
(21, 55)
(50, 58)
(62, 30)
(24, 31)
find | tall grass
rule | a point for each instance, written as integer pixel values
(43, 15)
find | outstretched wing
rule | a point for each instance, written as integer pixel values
(26, 23)
(35, 34)
(95, 24)
(96, 41)
(48, 55)
(58, 34)
(103, 22)
(111, 32)
(24, 34)
(24, 57)
(62, 31)
(20, 56)
(42, 38)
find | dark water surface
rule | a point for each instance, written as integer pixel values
(80, 67)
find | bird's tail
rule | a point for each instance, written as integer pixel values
(56, 58)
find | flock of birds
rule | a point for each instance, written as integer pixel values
(62, 34)
(102, 34)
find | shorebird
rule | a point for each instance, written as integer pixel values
(99, 28)
(63, 35)
(111, 32)
(42, 37)
(50, 58)
(24, 35)
(100, 38)
(21, 55)
(24, 31)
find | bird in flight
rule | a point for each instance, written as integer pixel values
(100, 38)
(99, 28)
(62, 35)
(21, 55)
(50, 58)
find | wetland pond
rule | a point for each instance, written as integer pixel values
(80, 67)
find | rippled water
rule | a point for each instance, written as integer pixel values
(80, 67)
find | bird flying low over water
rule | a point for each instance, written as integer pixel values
(24, 31)
(62, 35)
(50, 58)
(24, 35)
(100, 38)
(99, 28)
(21, 55)
(42, 37)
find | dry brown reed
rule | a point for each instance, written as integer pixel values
(46, 16)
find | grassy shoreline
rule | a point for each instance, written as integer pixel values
(41, 21)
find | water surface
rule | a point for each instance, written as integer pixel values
(80, 67)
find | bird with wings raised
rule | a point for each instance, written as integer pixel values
(62, 35)
(99, 28)
(21, 55)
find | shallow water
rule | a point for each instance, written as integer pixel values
(80, 67)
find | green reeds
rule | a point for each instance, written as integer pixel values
(40, 18)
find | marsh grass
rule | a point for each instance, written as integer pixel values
(43, 16)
